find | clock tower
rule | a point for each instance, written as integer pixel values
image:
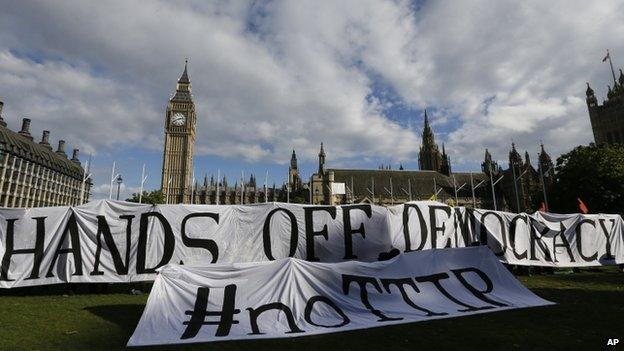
(179, 144)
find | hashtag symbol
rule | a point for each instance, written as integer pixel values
(200, 312)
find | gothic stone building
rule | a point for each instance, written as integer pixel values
(34, 175)
(607, 120)
(385, 186)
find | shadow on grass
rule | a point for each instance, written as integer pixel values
(126, 316)
(582, 319)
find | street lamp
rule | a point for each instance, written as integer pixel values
(119, 181)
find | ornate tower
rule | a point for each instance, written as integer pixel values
(546, 165)
(180, 123)
(293, 173)
(429, 157)
(321, 160)
(445, 167)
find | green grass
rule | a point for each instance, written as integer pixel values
(589, 310)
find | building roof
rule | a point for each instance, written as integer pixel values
(21, 146)
(420, 182)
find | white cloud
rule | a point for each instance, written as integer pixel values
(270, 76)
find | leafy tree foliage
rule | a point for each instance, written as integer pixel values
(593, 173)
(149, 197)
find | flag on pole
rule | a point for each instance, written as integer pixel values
(542, 207)
(606, 57)
(582, 205)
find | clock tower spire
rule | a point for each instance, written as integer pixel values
(179, 126)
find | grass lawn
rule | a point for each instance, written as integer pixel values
(589, 310)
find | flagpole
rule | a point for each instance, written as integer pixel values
(611, 64)
(266, 186)
(409, 187)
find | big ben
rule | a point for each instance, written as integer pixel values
(180, 123)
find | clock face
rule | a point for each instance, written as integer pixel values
(178, 119)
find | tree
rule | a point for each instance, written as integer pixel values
(593, 173)
(149, 197)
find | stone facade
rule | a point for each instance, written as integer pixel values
(607, 120)
(34, 175)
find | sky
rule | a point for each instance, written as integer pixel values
(270, 76)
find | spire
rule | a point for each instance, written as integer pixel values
(544, 158)
(589, 92)
(621, 79)
(321, 155)
(527, 158)
(184, 79)
(183, 88)
(591, 98)
(488, 164)
(427, 129)
(293, 160)
(514, 157)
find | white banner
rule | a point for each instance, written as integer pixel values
(291, 297)
(115, 241)
(338, 189)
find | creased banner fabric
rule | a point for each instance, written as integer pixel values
(116, 241)
(292, 297)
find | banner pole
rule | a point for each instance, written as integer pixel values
(352, 191)
(193, 187)
(142, 182)
(474, 201)
(492, 184)
(373, 188)
(513, 171)
(110, 193)
(391, 193)
(266, 179)
(455, 188)
(541, 171)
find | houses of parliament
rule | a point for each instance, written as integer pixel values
(516, 187)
